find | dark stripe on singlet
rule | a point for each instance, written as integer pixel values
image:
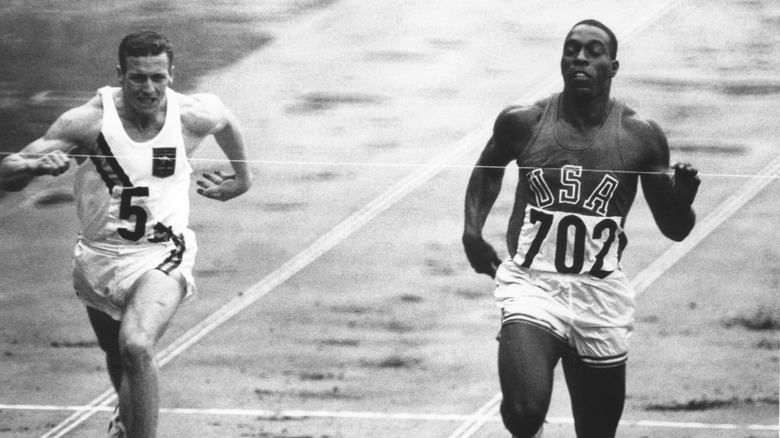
(107, 157)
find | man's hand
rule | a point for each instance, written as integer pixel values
(686, 183)
(481, 255)
(53, 163)
(220, 186)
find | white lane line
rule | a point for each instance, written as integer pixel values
(682, 425)
(471, 425)
(96, 405)
(302, 415)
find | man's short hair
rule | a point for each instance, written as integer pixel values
(144, 43)
(613, 42)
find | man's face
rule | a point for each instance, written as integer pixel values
(586, 65)
(144, 82)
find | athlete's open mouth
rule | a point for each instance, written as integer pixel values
(580, 78)
(580, 75)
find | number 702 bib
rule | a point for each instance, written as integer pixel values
(569, 243)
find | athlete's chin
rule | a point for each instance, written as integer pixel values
(146, 107)
(582, 92)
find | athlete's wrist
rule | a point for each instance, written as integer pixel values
(472, 237)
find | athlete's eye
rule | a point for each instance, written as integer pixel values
(597, 49)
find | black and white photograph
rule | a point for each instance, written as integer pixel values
(389, 219)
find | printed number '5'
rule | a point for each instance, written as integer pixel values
(127, 209)
(578, 249)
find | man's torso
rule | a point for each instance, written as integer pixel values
(134, 191)
(574, 193)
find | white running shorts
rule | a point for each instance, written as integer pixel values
(103, 274)
(593, 317)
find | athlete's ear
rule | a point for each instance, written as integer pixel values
(119, 74)
(615, 67)
(170, 73)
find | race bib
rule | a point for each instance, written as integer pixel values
(569, 243)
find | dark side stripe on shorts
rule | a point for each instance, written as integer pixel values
(604, 362)
(177, 253)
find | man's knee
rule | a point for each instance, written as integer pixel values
(523, 420)
(136, 351)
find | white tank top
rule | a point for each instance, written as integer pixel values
(131, 192)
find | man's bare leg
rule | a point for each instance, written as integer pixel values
(527, 356)
(155, 298)
(597, 397)
(107, 332)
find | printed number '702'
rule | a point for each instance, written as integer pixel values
(545, 221)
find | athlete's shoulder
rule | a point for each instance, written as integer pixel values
(80, 124)
(636, 125)
(644, 138)
(202, 113)
(89, 112)
(518, 121)
(197, 101)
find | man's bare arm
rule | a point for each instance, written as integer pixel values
(209, 116)
(482, 191)
(484, 186)
(511, 133)
(50, 154)
(670, 197)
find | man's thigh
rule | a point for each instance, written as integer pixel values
(154, 299)
(597, 397)
(106, 277)
(527, 356)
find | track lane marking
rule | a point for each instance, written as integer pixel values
(302, 415)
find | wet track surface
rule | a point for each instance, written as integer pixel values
(342, 101)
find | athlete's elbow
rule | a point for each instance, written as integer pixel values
(680, 229)
(244, 181)
(676, 235)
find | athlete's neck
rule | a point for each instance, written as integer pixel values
(584, 112)
(143, 123)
